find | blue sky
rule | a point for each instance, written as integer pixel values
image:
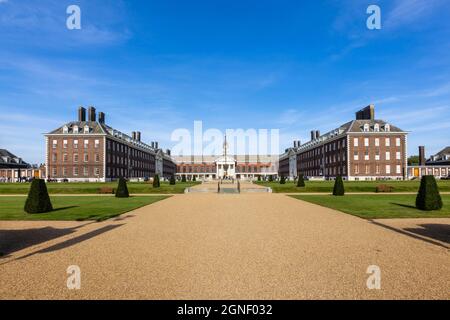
(156, 66)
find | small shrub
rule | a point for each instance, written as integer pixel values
(384, 188)
(270, 178)
(194, 178)
(428, 197)
(156, 183)
(172, 180)
(259, 178)
(301, 181)
(38, 200)
(183, 178)
(282, 180)
(338, 189)
(122, 189)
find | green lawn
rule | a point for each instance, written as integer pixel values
(75, 207)
(350, 186)
(94, 187)
(378, 206)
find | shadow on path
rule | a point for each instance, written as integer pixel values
(73, 241)
(15, 240)
(426, 232)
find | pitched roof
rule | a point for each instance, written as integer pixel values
(358, 126)
(9, 160)
(444, 151)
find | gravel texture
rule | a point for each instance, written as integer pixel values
(222, 246)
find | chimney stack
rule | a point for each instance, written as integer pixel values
(168, 152)
(367, 113)
(422, 156)
(138, 136)
(101, 117)
(313, 135)
(153, 144)
(295, 143)
(156, 144)
(133, 135)
(299, 143)
(81, 114)
(91, 112)
(317, 134)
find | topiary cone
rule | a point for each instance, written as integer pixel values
(122, 189)
(38, 200)
(301, 181)
(338, 189)
(428, 198)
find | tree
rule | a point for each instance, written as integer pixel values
(282, 180)
(300, 181)
(172, 180)
(428, 197)
(194, 178)
(122, 189)
(156, 183)
(338, 189)
(38, 200)
(183, 178)
(413, 161)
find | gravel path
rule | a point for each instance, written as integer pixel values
(220, 246)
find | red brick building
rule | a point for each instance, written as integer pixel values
(90, 150)
(361, 149)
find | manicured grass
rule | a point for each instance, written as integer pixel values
(94, 187)
(378, 206)
(75, 207)
(350, 186)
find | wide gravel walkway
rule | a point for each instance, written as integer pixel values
(221, 246)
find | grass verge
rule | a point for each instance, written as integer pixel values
(378, 206)
(75, 208)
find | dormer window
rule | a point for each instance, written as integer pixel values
(86, 129)
(75, 129)
(366, 127)
(376, 127)
(65, 129)
(387, 127)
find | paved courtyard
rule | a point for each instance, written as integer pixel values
(226, 246)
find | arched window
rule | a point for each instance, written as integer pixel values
(65, 129)
(86, 129)
(376, 127)
(387, 127)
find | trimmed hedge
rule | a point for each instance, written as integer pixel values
(38, 200)
(428, 197)
(183, 178)
(301, 181)
(156, 183)
(282, 180)
(122, 189)
(172, 180)
(338, 189)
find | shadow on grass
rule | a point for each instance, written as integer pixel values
(404, 205)
(64, 208)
